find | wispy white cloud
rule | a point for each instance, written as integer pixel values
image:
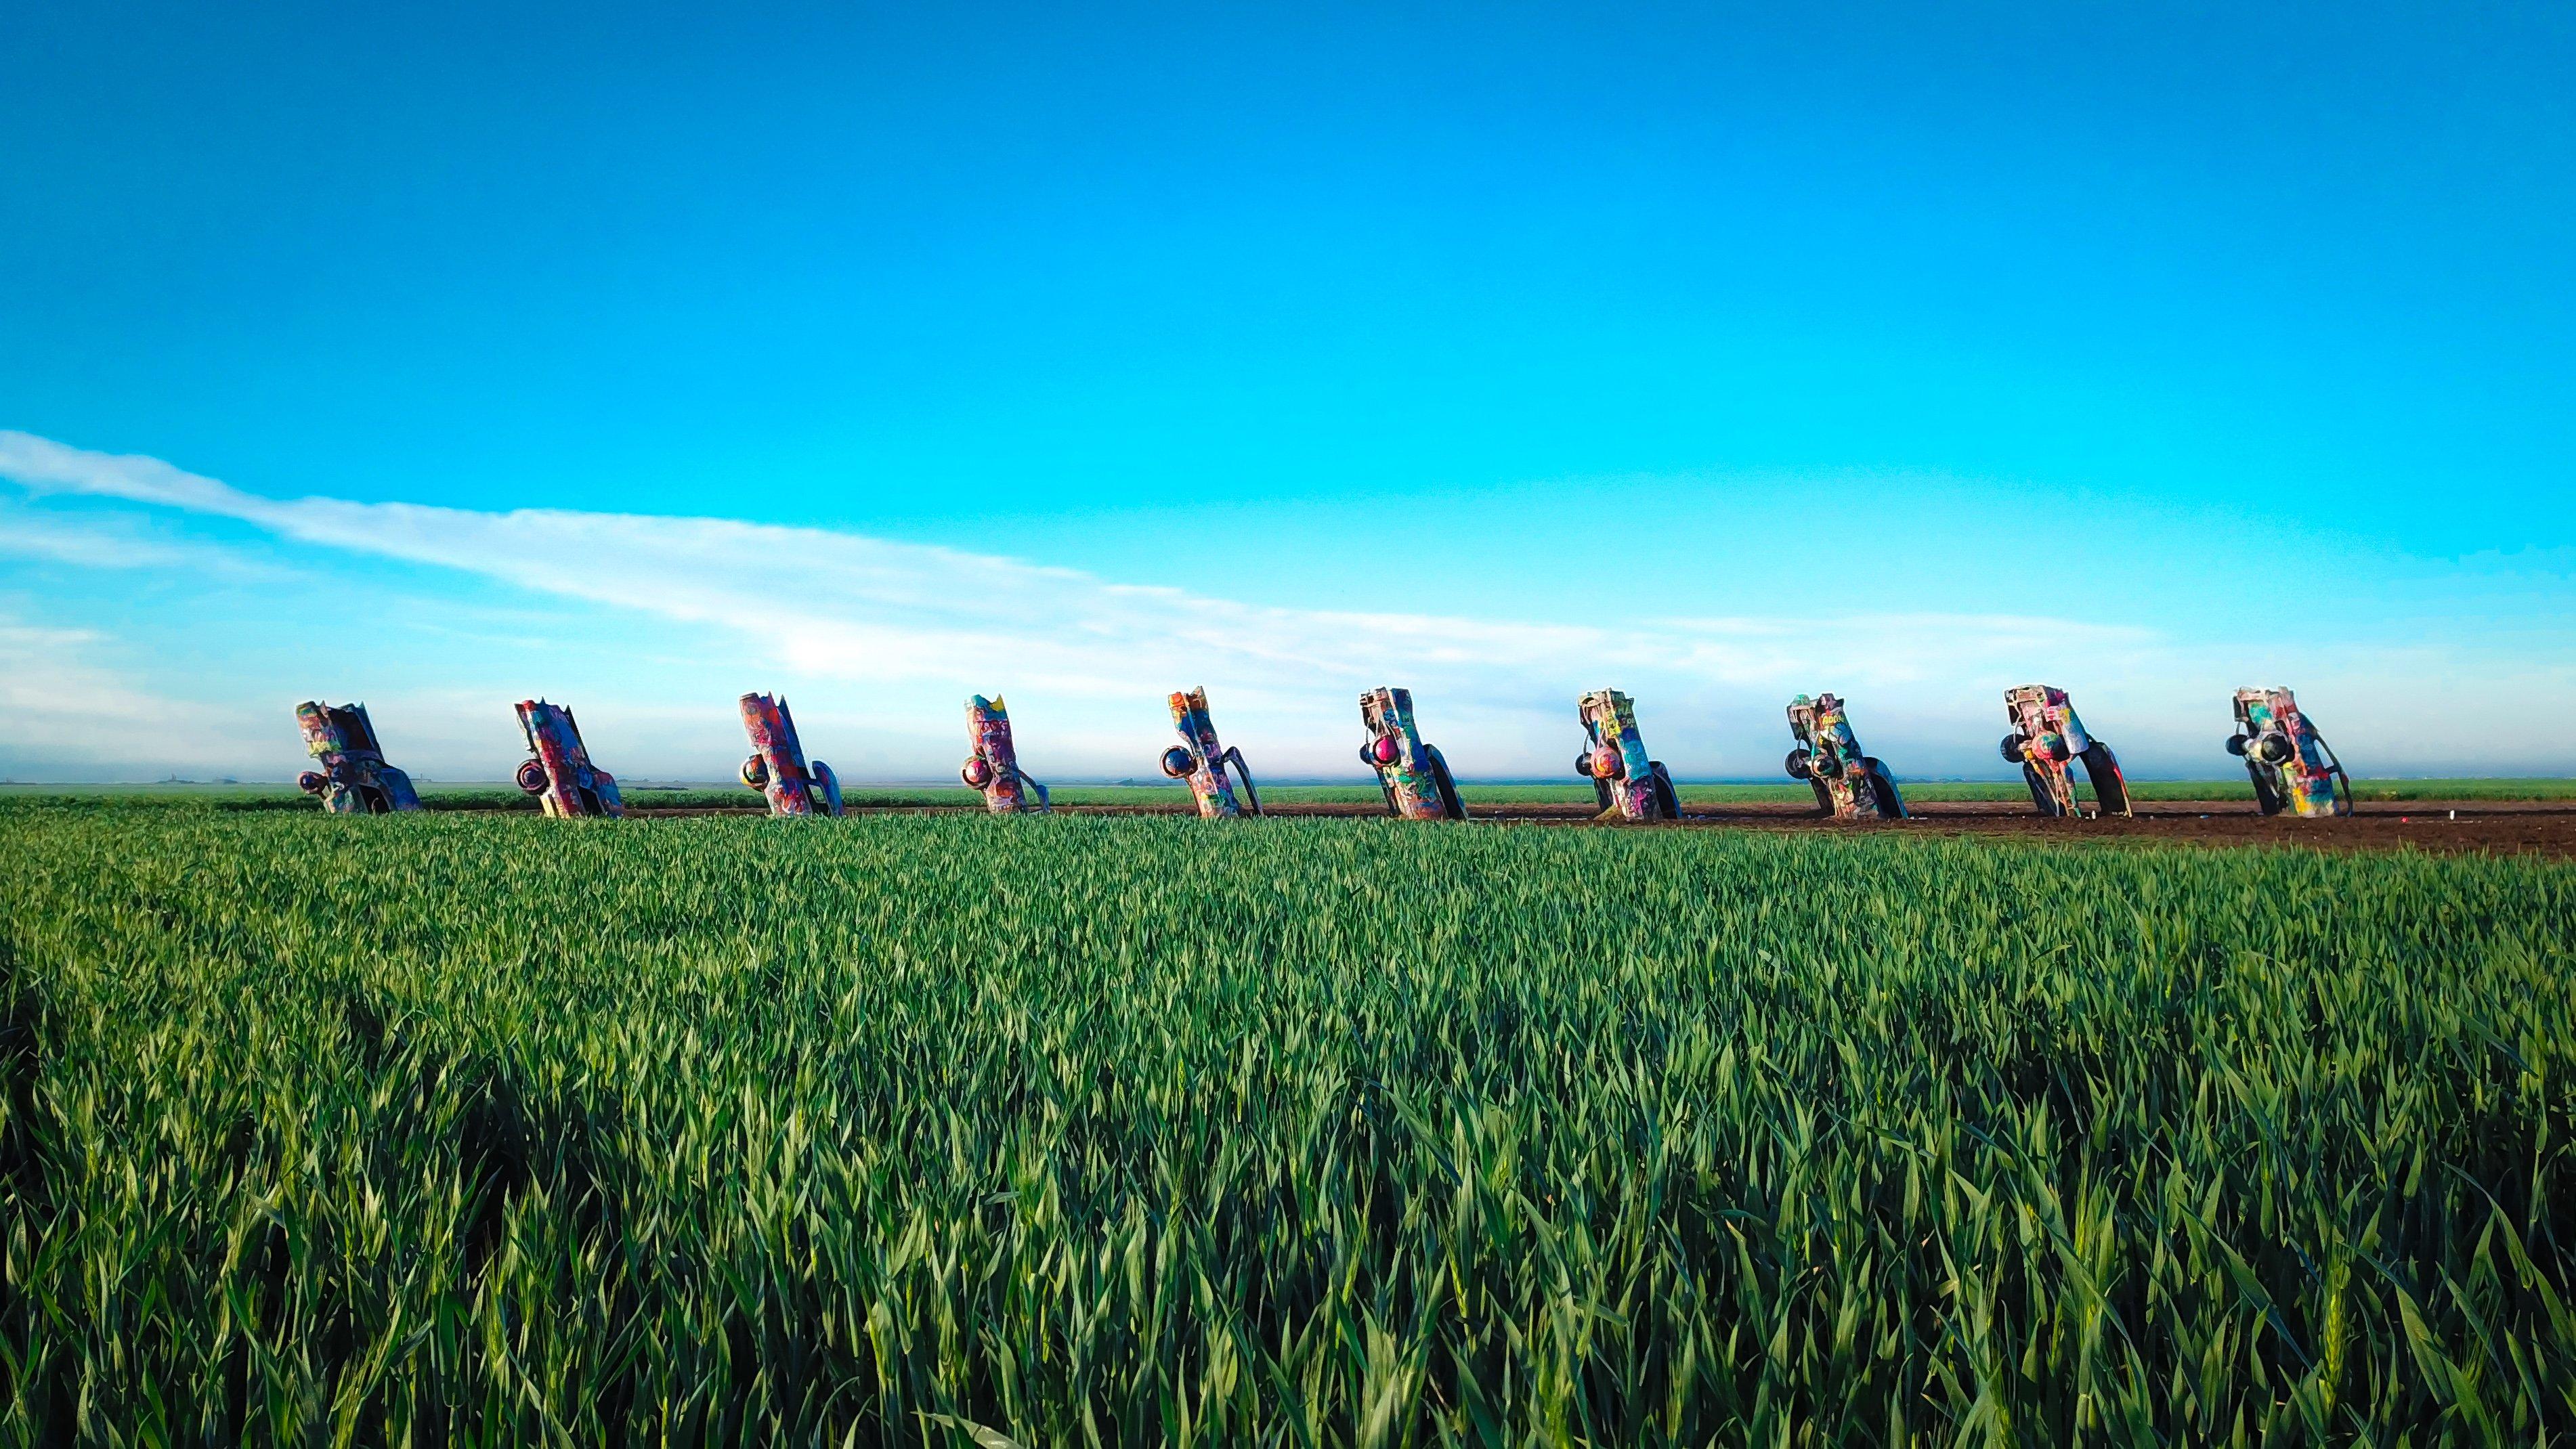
(63, 712)
(888, 634)
(843, 604)
(113, 544)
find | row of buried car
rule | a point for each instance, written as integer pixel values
(2292, 767)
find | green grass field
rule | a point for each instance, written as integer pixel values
(472, 1128)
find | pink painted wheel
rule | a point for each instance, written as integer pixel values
(1385, 751)
(978, 772)
(532, 776)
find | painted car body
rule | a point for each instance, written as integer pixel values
(558, 771)
(1849, 783)
(2291, 765)
(354, 778)
(1412, 774)
(777, 767)
(2047, 738)
(1614, 760)
(993, 766)
(1203, 763)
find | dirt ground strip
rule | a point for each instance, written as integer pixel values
(2501, 826)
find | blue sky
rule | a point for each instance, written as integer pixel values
(641, 357)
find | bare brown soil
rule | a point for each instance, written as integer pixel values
(2500, 826)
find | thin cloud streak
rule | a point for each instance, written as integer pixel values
(880, 638)
(844, 605)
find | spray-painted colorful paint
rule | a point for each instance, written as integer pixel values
(2046, 738)
(994, 767)
(560, 773)
(778, 768)
(354, 778)
(1848, 783)
(1199, 760)
(2292, 766)
(1614, 760)
(1416, 780)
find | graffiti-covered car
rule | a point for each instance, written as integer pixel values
(558, 770)
(2292, 766)
(354, 778)
(777, 766)
(1850, 784)
(1614, 760)
(1199, 760)
(1411, 774)
(2046, 738)
(993, 766)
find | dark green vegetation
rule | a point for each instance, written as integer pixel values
(1301, 1132)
